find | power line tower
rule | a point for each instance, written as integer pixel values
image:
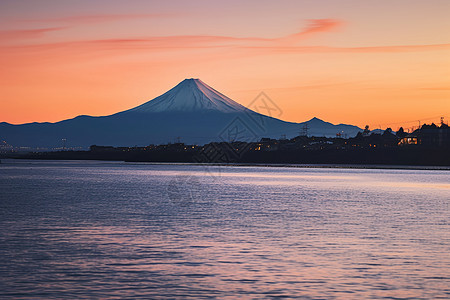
(304, 130)
(64, 144)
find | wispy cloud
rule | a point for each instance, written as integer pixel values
(373, 49)
(242, 45)
(314, 27)
(180, 42)
(14, 35)
(396, 48)
(188, 41)
(89, 19)
(317, 26)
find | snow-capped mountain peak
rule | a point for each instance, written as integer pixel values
(192, 112)
(188, 96)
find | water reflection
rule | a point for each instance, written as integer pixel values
(115, 230)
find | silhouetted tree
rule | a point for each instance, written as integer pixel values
(366, 131)
(432, 126)
(388, 131)
(388, 138)
(401, 133)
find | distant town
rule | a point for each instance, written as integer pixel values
(428, 145)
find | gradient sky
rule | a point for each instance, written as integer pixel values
(382, 63)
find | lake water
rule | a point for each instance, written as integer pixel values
(86, 230)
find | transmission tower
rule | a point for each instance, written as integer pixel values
(304, 130)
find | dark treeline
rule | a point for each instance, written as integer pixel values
(429, 145)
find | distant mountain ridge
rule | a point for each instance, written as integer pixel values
(191, 112)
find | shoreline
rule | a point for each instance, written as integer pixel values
(4, 161)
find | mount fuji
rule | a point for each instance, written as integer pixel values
(191, 112)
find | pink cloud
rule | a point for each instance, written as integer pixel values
(240, 45)
(315, 26)
(11, 35)
(189, 41)
(318, 26)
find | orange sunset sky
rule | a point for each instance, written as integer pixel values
(382, 63)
